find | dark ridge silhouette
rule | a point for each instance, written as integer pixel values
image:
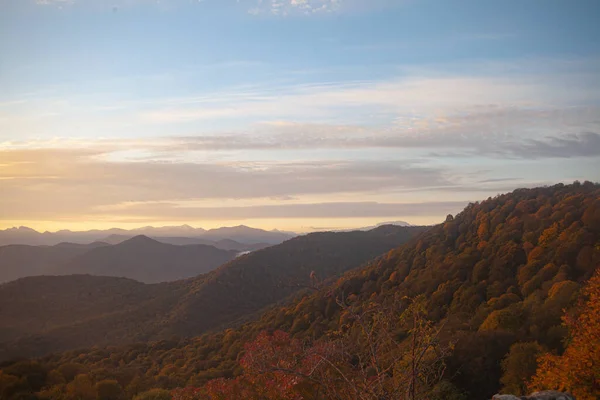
(147, 260)
(186, 308)
(242, 234)
(224, 244)
(18, 261)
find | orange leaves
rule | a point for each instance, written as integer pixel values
(578, 369)
(549, 235)
(267, 365)
(483, 231)
(364, 361)
(535, 254)
(188, 393)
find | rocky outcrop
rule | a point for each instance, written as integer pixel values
(545, 395)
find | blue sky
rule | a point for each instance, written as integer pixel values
(292, 114)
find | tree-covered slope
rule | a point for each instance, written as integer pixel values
(147, 260)
(43, 314)
(18, 261)
(499, 274)
(54, 314)
(248, 284)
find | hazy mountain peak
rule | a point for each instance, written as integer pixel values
(140, 240)
(63, 244)
(22, 229)
(241, 233)
(397, 223)
(239, 227)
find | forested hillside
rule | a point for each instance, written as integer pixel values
(497, 274)
(224, 244)
(495, 279)
(49, 314)
(19, 261)
(139, 258)
(32, 306)
(147, 260)
(264, 277)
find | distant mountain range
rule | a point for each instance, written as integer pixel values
(241, 234)
(224, 244)
(161, 257)
(44, 314)
(18, 261)
(368, 228)
(147, 260)
(140, 258)
(495, 279)
(241, 238)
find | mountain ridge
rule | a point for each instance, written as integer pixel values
(140, 258)
(192, 306)
(18, 260)
(162, 262)
(224, 244)
(496, 277)
(240, 233)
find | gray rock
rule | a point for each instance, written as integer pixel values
(545, 395)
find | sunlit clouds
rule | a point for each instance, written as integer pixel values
(287, 114)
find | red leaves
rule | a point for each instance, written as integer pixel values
(188, 393)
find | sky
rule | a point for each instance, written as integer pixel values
(298, 115)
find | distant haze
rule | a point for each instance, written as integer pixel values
(241, 237)
(224, 237)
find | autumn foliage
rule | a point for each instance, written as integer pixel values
(577, 370)
(496, 281)
(362, 361)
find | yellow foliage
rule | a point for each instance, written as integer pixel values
(549, 235)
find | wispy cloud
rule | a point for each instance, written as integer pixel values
(417, 93)
(175, 212)
(88, 184)
(494, 132)
(54, 2)
(290, 7)
(483, 98)
(328, 108)
(95, 180)
(212, 180)
(255, 7)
